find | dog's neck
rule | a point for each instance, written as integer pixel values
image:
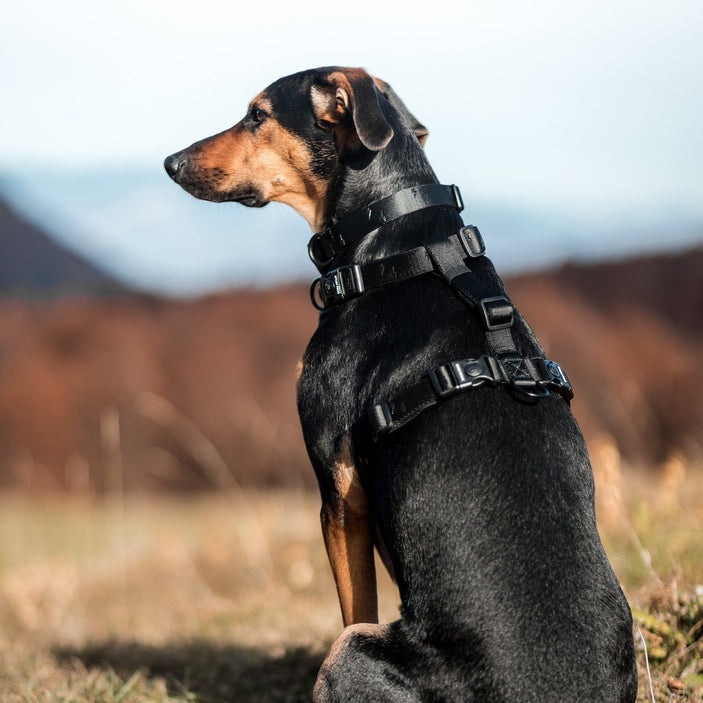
(366, 176)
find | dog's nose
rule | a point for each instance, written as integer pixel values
(175, 163)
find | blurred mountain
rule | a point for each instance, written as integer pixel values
(145, 393)
(34, 265)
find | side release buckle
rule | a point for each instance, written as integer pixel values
(338, 285)
(558, 379)
(457, 376)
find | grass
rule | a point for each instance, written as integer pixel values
(230, 598)
(160, 600)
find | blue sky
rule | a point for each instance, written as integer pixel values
(581, 109)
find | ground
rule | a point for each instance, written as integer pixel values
(229, 597)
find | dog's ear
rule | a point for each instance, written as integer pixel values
(347, 104)
(418, 129)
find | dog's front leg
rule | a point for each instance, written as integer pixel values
(349, 541)
(348, 531)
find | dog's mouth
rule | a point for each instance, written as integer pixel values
(250, 198)
(205, 185)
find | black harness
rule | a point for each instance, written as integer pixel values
(449, 258)
(325, 246)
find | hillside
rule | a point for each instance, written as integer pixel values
(146, 393)
(33, 265)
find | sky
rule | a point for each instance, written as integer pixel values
(577, 108)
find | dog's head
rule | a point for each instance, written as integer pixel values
(290, 144)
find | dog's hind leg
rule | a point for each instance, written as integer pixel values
(368, 663)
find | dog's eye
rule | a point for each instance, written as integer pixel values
(257, 115)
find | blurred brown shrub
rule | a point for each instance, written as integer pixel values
(139, 392)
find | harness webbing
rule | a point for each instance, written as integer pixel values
(325, 246)
(443, 256)
(448, 257)
(496, 311)
(351, 281)
(533, 377)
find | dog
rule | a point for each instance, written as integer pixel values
(480, 504)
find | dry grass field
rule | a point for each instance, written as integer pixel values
(229, 597)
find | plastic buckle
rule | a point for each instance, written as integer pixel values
(472, 241)
(497, 312)
(558, 378)
(380, 419)
(458, 198)
(341, 284)
(457, 376)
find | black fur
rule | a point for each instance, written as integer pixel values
(483, 504)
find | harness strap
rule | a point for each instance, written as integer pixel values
(325, 246)
(348, 282)
(496, 311)
(533, 377)
(442, 255)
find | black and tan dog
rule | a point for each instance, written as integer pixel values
(482, 506)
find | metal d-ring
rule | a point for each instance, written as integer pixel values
(319, 263)
(543, 391)
(314, 286)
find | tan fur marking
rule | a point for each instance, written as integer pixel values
(321, 102)
(262, 102)
(348, 483)
(348, 532)
(349, 75)
(333, 108)
(271, 159)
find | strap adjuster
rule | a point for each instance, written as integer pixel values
(457, 197)
(472, 241)
(497, 312)
(380, 419)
